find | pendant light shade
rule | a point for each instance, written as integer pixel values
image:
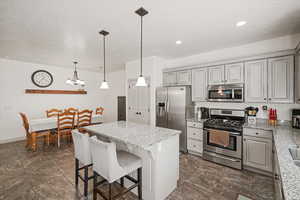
(104, 84)
(75, 80)
(141, 82)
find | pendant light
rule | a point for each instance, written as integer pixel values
(75, 80)
(104, 84)
(141, 80)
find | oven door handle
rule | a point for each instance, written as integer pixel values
(222, 157)
(231, 133)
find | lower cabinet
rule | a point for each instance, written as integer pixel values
(257, 150)
(195, 138)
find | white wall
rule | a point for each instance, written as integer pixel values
(251, 49)
(15, 77)
(256, 48)
(152, 68)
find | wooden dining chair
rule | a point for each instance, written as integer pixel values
(75, 110)
(31, 137)
(65, 125)
(84, 118)
(52, 112)
(99, 111)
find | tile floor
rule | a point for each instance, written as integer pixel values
(49, 174)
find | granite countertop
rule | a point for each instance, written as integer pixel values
(284, 136)
(140, 135)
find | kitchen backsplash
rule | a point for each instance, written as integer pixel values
(283, 110)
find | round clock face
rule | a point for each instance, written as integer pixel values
(42, 78)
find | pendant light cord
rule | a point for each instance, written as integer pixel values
(141, 74)
(104, 57)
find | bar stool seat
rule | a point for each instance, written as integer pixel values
(128, 161)
(113, 165)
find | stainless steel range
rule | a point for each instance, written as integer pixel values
(224, 125)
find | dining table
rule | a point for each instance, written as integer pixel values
(44, 124)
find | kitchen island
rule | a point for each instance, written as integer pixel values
(157, 147)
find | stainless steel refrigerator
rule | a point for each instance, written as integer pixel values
(172, 105)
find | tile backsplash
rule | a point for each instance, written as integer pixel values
(284, 111)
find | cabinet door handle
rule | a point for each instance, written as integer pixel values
(257, 133)
(270, 99)
(265, 98)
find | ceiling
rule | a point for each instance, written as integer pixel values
(57, 32)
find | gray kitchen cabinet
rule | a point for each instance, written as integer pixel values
(195, 138)
(257, 149)
(281, 80)
(177, 78)
(199, 84)
(216, 75)
(256, 81)
(297, 77)
(234, 73)
(184, 77)
(169, 78)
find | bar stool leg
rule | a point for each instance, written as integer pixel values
(86, 180)
(140, 195)
(109, 195)
(95, 185)
(122, 181)
(76, 171)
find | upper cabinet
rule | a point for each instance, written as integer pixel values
(199, 84)
(177, 78)
(169, 78)
(216, 75)
(184, 77)
(234, 73)
(256, 81)
(281, 80)
(226, 74)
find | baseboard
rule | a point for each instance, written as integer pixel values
(12, 140)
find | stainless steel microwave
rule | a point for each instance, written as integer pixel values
(226, 93)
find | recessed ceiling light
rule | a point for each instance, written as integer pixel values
(241, 23)
(178, 42)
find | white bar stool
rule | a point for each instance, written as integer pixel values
(113, 165)
(83, 157)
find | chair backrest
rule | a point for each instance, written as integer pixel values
(53, 112)
(104, 158)
(25, 122)
(75, 110)
(82, 147)
(99, 111)
(65, 120)
(84, 118)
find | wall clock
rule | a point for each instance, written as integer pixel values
(42, 78)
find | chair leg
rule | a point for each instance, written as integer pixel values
(95, 183)
(48, 139)
(86, 180)
(140, 180)
(58, 140)
(33, 141)
(76, 171)
(122, 181)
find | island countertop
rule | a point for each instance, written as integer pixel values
(141, 135)
(284, 136)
